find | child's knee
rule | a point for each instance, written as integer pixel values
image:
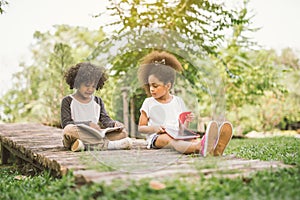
(124, 134)
(117, 135)
(71, 130)
(69, 135)
(163, 140)
(67, 142)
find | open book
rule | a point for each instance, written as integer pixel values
(182, 133)
(99, 133)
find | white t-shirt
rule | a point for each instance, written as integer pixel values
(165, 114)
(85, 111)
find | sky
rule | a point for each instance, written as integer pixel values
(278, 19)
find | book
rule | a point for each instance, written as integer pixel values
(182, 133)
(99, 133)
(183, 116)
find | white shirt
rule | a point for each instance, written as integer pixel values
(165, 114)
(85, 111)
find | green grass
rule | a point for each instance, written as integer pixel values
(285, 149)
(269, 184)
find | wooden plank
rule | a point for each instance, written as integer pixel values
(20, 155)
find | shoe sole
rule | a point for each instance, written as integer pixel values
(211, 136)
(76, 146)
(225, 135)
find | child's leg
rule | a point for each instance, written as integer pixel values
(75, 137)
(72, 133)
(225, 135)
(119, 140)
(117, 135)
(187, 147)
(125, 143)
(163, 141)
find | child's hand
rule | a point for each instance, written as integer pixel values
(190, 117)
(119, 124)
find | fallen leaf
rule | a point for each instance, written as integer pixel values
(156, 185)
(20, 177)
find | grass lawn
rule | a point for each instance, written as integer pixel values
(270, 184)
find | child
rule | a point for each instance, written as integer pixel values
(157, 74)
(83, 107)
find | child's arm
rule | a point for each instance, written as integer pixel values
(104, 118)
(144, 128)
(65, 112)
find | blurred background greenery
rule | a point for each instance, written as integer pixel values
(261, 86)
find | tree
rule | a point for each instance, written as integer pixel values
(260, 98)
(192, 30)
(290, 79)
(200, 21)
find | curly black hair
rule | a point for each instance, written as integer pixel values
(162, 65)
(85, 73)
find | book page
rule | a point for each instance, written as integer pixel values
(99, 133)
(184, 134)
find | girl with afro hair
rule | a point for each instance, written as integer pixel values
(162, 109)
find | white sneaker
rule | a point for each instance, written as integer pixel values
(225, 135)
(125, 143)
(209, 141)
(77, 146)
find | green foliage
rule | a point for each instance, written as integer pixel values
(39, 187)
(200, 22)
(255, 82)
(282, 184)
(213, 188)
(290, 78)
(260, 98)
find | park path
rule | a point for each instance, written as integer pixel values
(41, 146)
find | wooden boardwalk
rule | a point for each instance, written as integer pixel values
(42, 147)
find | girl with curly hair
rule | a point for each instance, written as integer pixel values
(161, 110)
(82, 107)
